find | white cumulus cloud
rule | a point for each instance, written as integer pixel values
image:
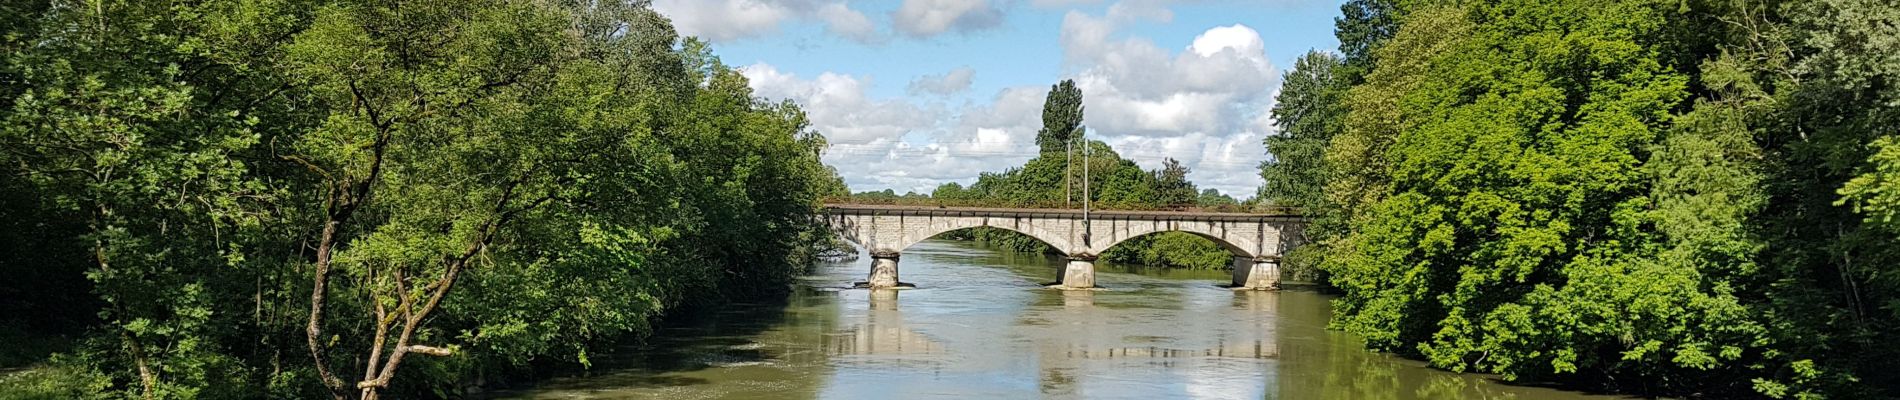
(838, 105)
(845, 22)
(895, 143)
(925, 18)
(1203, 104)
(724, 20)
(1061, 3)
(1203, 101)
(948, 83)
(729, 20)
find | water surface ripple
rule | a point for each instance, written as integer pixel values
(980, 325)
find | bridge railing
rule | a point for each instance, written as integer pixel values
(936, 202)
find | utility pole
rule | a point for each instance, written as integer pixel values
(1087, 151)
(1068, 168)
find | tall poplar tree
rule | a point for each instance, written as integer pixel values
(1308, 114)
(1061, 117)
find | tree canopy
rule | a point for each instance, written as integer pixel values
(1061, 118)
(1659, 197)
(269, 198)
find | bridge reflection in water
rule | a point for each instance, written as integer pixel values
(1079, 348)
(990, 331)
(1238, 345)
(882, 332)
(1087, 357)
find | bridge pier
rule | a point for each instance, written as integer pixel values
(883, 272)
(1079, 274)
(1257, 273)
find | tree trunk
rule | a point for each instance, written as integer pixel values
(313, 331)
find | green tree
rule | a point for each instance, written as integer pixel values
(950, 191)
(1061, 117)
(1308, 113)
(1214, 198)
(441, 146)
(1361, 27)
(1355, 158)
(140, 132)
(1171, 186)
(497, 183)
(1825, 115)
(1507, 228)
(1668, 197)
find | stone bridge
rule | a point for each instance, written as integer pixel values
(1255, 240)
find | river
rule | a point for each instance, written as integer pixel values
(980, 325)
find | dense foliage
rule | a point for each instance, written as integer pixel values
(1663, 197)
(267, 197)
(1307, 113)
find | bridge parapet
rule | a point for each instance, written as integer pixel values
(887, 209)
(1037, 205)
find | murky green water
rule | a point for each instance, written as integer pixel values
(980, 326)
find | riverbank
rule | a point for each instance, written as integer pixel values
(27, 373)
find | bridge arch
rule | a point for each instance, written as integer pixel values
(1249, 240)
(946, 225)
(877, 237)
(1232, 249)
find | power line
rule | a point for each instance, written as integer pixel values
(917, 151)
(930, 153)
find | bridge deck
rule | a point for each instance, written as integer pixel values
(1056, 212)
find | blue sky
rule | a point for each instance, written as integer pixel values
(915, 93)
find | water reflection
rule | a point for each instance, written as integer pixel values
(882, 332)
(1078, 300)
(981, 326)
